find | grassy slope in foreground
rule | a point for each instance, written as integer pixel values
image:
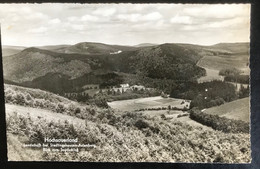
(237, 110)
(131, 138)
(127, 137)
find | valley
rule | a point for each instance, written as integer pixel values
(150, 102)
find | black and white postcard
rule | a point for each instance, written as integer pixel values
(127, 82)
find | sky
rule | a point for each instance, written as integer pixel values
(123, 24)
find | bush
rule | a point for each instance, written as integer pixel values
(60, 108)
(77, 111)
(157, 140)
(238, 78)
(182, 115)
(229, 72)
(140, 124)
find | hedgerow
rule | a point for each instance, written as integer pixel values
(219, 123)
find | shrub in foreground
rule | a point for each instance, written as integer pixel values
(154, 140)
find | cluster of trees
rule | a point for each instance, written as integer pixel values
(204, 102)
(205, 95)
(234, 75)
(243, 92)
(80, 97)
(110, 79)
(229, 72)
(112, 95)
(185, 108)
(244, 79)
(167, 61)
(219, 123)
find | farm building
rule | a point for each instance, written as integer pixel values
(124, 85)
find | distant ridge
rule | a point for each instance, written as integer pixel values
(8, 50)
(51, 65)
(146, 45)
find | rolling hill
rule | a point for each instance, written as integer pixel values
(32, 63)
(146, 44)
(226, 56)
(69, 67)
(92, 48)
(11, 50)
(237, 57)
(52, 47)
(242, 47)
(238, 110)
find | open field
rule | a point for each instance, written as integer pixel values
(213, 64)
(238, 110)
(219, 62)
(149, 102)
(211, 75)
(172, 115)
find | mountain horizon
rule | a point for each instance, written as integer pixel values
(133, 45)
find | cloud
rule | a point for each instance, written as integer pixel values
(152, 16)
(78, 27)
(228, 25)
(136, 17)
(217, 11)
(72, 18)
(84, 18)
(55, 21)
(123, 23)
(235, 22)
(129, 17)
(105, 11)
(181, 20)
(89, 18)
(26, 10)
(38, 16)
(39, 30)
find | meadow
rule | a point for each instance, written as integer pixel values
(213, 64)
(237, 110)
(149, 102)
